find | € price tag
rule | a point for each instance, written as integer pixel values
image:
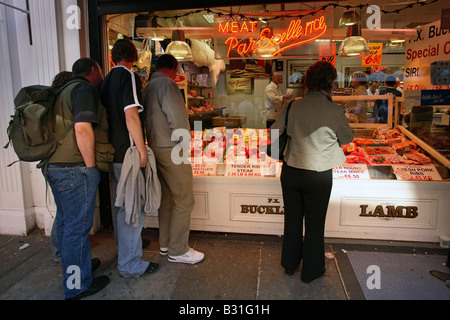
(416, 173)
(351, 171)
(204, 169)
(374, 58)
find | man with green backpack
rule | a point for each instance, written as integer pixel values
(73, 174)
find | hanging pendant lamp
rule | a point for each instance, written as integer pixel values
(178, 47)
(354, 45)
(349, 18)
(264, 48)
(155, 38)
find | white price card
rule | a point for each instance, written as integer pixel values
(243, 170)
(204, 169)
(351, 171)
(416, 173)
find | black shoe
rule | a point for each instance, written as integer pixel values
(309, 280)
(95, 264)
(152, 268)
(289, 272)
(97, 285)
(145, 243)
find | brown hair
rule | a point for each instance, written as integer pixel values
(320, 76)
(61, 79)
(124, 49)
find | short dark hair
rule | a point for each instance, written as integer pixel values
(391, 81)
(166, 61)
(320, 76)
(124, 49)
(83, 66)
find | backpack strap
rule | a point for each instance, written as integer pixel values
(44, 163)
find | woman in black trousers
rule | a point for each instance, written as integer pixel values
(317, 128)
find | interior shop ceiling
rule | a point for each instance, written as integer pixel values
(408, 18)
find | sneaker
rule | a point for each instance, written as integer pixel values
(190, 257)
(163, 251)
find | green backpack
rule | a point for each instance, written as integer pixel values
(31, 129)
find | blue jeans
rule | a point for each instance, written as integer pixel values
(54, 242)
(128, 238)
(74, 190)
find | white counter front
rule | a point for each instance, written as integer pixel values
(360, 209)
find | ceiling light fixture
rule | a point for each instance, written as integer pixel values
(264, 47)
(354, 45)
(178, 46)
(349, 18)
(154, 37)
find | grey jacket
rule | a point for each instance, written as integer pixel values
(317, 128)
(136, 192)
(166, 112)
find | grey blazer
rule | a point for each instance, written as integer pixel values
(317, 128)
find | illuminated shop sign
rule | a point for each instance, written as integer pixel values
(246, 37)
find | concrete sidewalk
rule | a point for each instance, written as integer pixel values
(236, 267)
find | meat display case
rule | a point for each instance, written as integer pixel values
(401, 200)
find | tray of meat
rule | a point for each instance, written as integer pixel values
(356, 157)
(349, 148)
(415, 157)
(378, 150)
(401, 147)
(370, 142)
(386, 159)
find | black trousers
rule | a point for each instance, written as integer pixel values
(270, 122)
(306, 195)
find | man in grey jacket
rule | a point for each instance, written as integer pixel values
(166, 112)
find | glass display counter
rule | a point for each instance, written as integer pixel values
(391, 187)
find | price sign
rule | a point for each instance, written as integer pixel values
(416, 173)
(351, 171)
(326, 55)
(204, 169)
(243, 170)
(374, 58)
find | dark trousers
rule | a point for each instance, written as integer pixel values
(270, 122)
(306, 195)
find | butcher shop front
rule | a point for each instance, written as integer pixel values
(395, 182)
